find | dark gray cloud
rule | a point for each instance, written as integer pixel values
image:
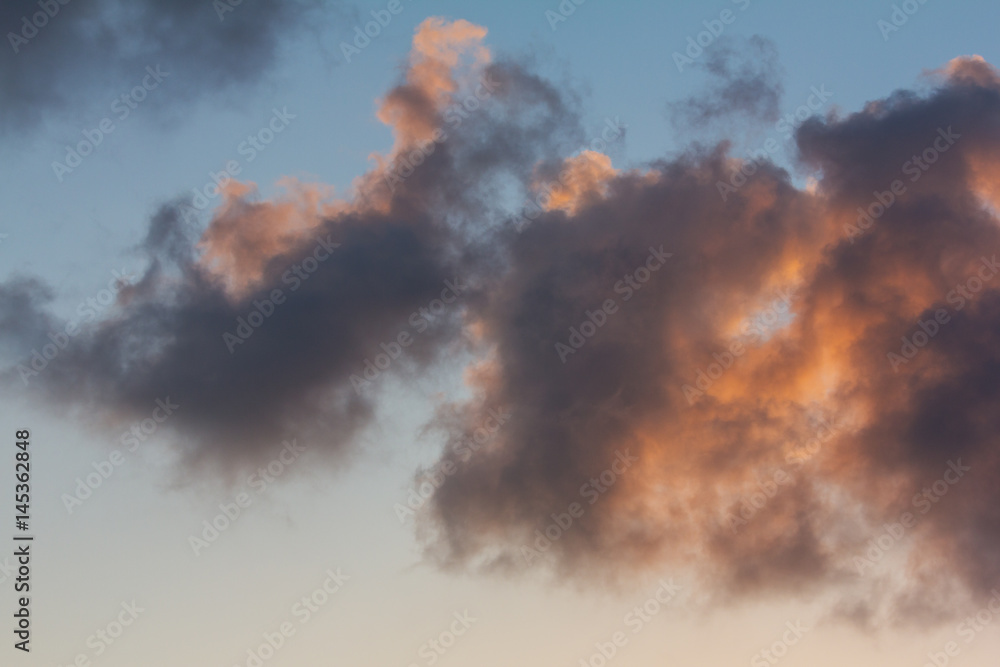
(296, 364)
(173, 333)
(745, 86)
(87, 51)
(712, 428)
(22, 321)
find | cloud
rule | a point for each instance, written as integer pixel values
(856, 296)
(746, 86)
(88, 50)
(413, 109)
(658, 291)
(22, 321)
(204, 325)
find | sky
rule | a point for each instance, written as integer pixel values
(531, 332)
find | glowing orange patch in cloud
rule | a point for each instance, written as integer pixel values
(438, 49)
(245, 235)
(582, 180)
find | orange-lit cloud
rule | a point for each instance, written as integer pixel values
(582, 179)
(413, 109)
(751, 409)
(245, 235)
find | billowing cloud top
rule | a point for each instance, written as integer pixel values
(705, 366)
